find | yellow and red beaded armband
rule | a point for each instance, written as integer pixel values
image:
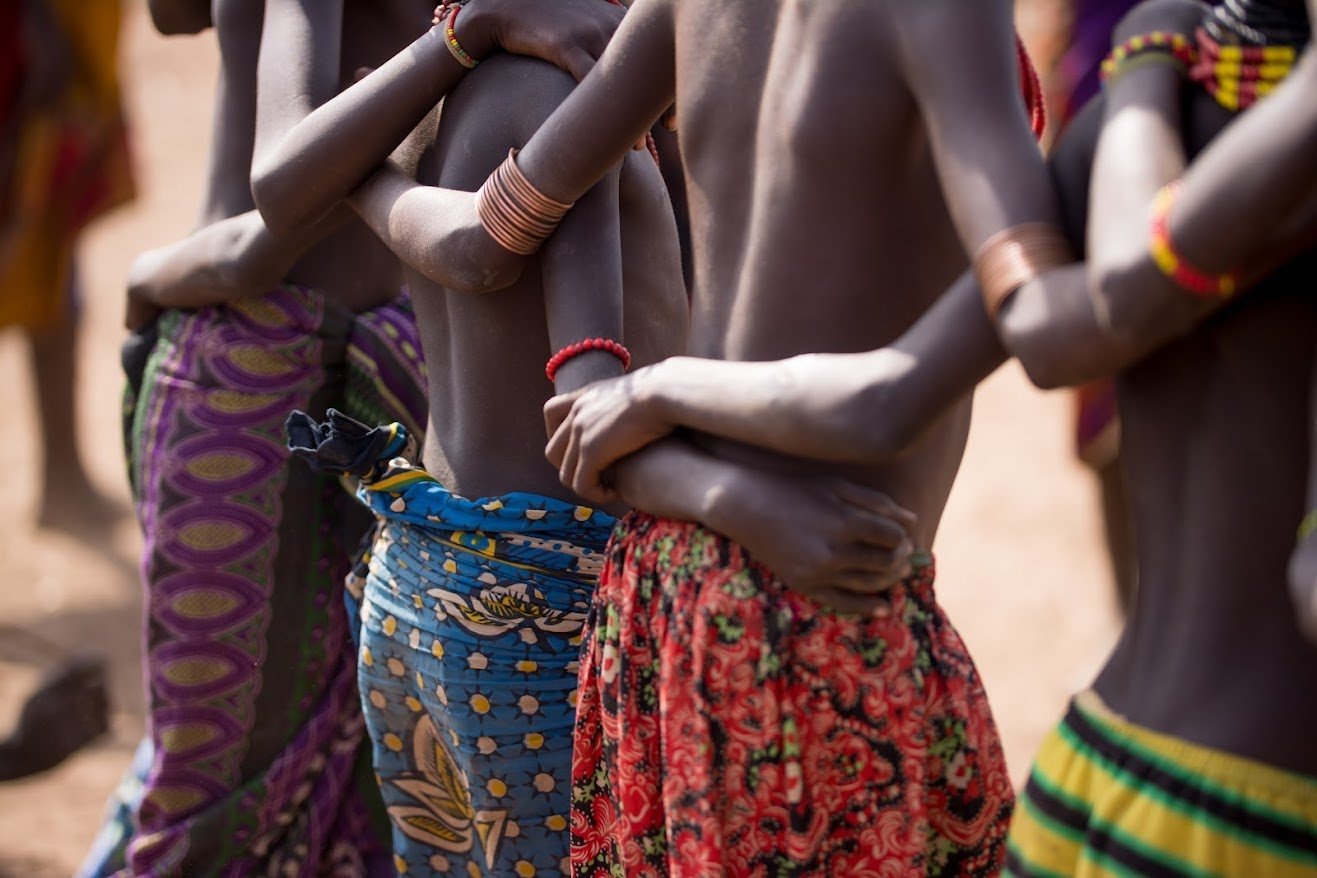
(1172, 263)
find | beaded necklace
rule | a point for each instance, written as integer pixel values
(1246, 48)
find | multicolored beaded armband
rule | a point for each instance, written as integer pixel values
(1172, 263)
(1163, 46)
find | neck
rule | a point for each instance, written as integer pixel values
(1259, 22)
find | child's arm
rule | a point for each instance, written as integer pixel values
(839, 543)
(437, 231)
(223, 261)
(1262, 167)
(335, 149)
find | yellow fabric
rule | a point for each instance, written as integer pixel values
(1178, 831)
(71, 164)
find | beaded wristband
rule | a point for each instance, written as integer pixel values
(616, 348)
(1172, 263)
(450, 40)
(514, 213)
(1172, 48)
(1015, 256)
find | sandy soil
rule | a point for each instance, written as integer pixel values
(1020, 563)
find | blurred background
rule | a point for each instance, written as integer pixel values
(1022, 564)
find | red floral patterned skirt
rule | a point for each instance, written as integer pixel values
(727, 725)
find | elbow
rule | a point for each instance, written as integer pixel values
(1052, 362)
(476, 279)
(1045, 371)
(457, 262)
(276, 199)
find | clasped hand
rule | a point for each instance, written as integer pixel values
(840, 543)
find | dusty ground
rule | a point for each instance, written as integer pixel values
(1020, 564)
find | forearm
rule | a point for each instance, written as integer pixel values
(581, 270)
(424, 226)
(674, 479)
(337, 146)
(221, 262)
(859, 408)
(612, 108)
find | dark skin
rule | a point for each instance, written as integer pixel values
(68, 500)
(336, 150)
(232, 253)
(755, 251)
(1303, 562)
(1188, 375)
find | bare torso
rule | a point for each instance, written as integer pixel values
(351, 265)
(824, 229)
(485, 352)
(1214, 444)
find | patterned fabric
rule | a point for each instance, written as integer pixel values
(1097, 423)
(70, 160)
(729, 726)
(471, 631)
(258, 761)
(1107, 797)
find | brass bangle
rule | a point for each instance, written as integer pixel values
(1014, 256)
(515, 213)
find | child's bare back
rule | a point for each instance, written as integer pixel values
(819, 219)
(487, 352)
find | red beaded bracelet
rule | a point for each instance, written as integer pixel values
(575, 349)
(1172, 263)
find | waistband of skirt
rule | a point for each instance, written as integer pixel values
(410, 494)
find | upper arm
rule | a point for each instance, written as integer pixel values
(496, 108)
(1071, 167)
(960, 64)
(1140, 150)
(301, 45)
(612, 108)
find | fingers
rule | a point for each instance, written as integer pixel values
(883, 567)
(557, 409)
(852, 603)
(361, 73)
(571, 456)
(865, 497)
